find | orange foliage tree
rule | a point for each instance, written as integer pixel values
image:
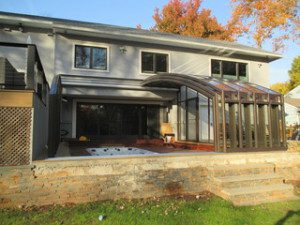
(275, 20)
(262, 20)
(186, 18)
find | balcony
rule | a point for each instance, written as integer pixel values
(30, 74)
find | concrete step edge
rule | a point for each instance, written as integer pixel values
(239, 178)
(257, 189)
(265, 200)
(240, 166)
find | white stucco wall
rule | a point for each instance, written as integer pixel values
(128, 65)
(292, 115)
(57, 56)
(259, 73)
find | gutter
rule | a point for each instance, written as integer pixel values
(63, 29)
(57, 27)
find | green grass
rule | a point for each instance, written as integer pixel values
(166, 211)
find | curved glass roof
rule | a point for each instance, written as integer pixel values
(206, 83)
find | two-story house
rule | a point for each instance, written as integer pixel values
(111, 82)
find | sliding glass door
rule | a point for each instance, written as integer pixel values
(97, 120)
(195, 116)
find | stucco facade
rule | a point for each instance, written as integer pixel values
(120, 82)
(57, 54)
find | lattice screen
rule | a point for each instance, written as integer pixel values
(15, 129)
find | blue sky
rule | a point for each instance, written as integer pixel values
(133, 12)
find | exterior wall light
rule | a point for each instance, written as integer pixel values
(123, 49)
(21, 28)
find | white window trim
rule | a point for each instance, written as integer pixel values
(232, 60)
(91, 44)
(158, 51)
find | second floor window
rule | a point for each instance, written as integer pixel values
(229, 69)
(90, 57)
(154, 62)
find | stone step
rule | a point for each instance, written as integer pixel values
(258, 201)
(252, 180)
(235, 170)
(258, 194)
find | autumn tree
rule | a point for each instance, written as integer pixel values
(275, 20)
(294, 73)
(281, 87)
(294, 81)
(186, 18)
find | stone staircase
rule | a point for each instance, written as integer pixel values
(249, 184)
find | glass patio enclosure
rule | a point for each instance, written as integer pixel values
(233, 115)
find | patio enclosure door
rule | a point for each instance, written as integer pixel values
(116, 120)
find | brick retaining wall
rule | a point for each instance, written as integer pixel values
(84, 180)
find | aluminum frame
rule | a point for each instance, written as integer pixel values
(223, 91)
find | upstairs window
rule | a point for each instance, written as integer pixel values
(229, 69)
(154, 62)
(90, 57)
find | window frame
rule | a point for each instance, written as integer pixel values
(154, 61)
(237, 63)
(91, 46)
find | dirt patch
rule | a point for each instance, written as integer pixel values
(174, 188)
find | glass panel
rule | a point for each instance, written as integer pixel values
(153, 120)
(275, 125)
(182, 93)
(211, 121)
(161, 63)
(281, 127)
(147, 62)
(219, 84)
(243, 71)
(267, 127)
(98, 120)
(227, 134)
(182, 121)
(82, 56)
(220, 125)
(232, 118)
(248, 129)
(191, 93)
(229, 69)
(263, 132)
(165, 114)
(88, 127)
(191, 113)
(99, 58)
(263, 89)
(203, 118)
(216, 68)
(130, 117)
(144, 119)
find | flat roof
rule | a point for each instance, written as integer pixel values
(74, 27)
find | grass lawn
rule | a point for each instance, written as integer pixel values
(213, 210)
